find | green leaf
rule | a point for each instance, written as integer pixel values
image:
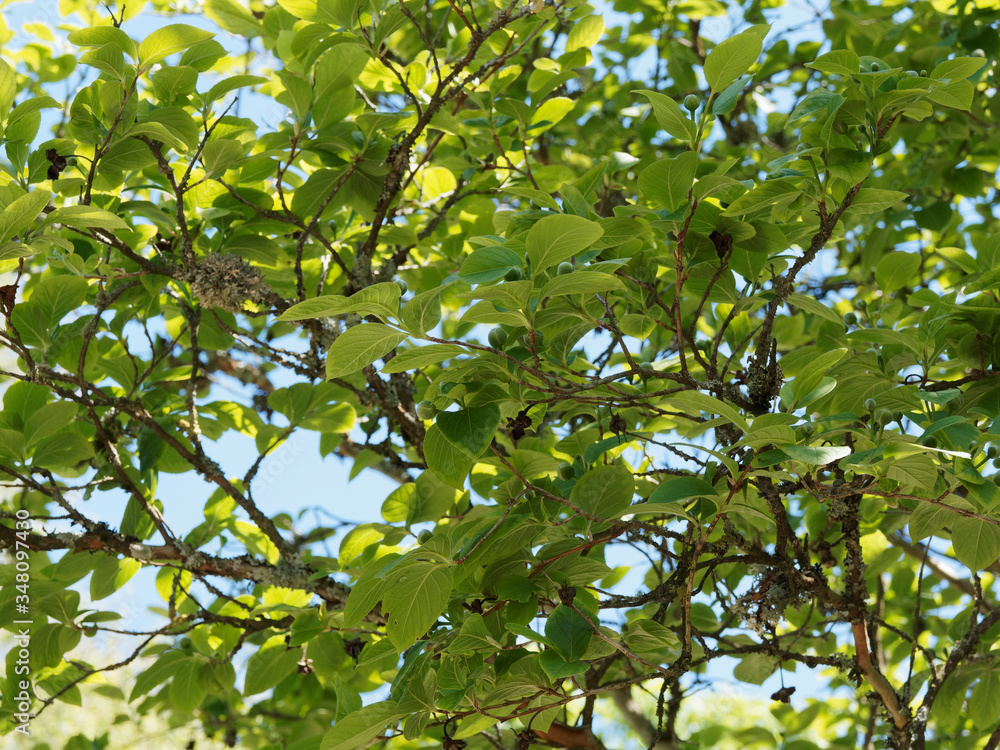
(422, 313)
(360, 346)
(670, 116)
(812, 374)
(379, 299)
(22, 212)
(8, 86)
(473, 637)
(733, 57)
(649, 635)
(872, 200)
(98, 36)
(554, 239)
(427, 499)
(159, 672)
(172, 584)
(15, 250)
(358, 729)
(62, 451)
(167, 40)
(895, 269)
(422, 356)
(840, 62)
(470, 430)
(984, 703)
(667, 509)
(815, 455)
(158, 132)
(270, 665)
(49, 420)
(976, 543)
(668, 182)
(580, 282)
(605, 491)
(233, 17)
(822, 101)
(417, 595)
(231, 83)
(339, 68)
(28, 106)
(928, 519)
(57, 296)
(585, 33)
(12, 444)
(568, 633)
(85, 217)
(812, 306)
(220, 154)
(203, 56)
(959, 68)
(186, 690)
(549, 113)
(679, 489)
(755, 668)
(472, 725)
(764, 198)
(556, 668)
(695, 401)
(110, 574)
(488, 264)
(726, 101)
(450, 463)
(365, 594)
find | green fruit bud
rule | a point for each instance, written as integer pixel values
(498, 337)
(996, 462)
(807, 429)
(923, 73)
(564, 268)
(402, 286)
(874, 67)
(691, 102)
(860, 304)
(977, 53)
(930, 441)
(424, 536)
(426, 410)
(850, 319)
(513, 274)
(870, 404)
(883, 416)
(566, 471)
(186, 643)
(993, 451)
(897, 416)
(911, 74)
(996, 479)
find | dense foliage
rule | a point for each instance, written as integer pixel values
(717, 309)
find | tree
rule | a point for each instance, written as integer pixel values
(728, 318)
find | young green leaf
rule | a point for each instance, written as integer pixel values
(731, 58)
(667, 183)
(360, 346)
(553, 239)
(168, 40)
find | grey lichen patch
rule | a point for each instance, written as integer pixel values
(228, 282)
